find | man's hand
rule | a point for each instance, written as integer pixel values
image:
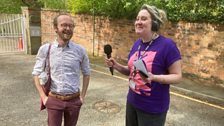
(81, 99)
(45, 100)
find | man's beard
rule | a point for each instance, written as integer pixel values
(65, 36)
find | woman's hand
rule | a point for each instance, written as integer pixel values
(110, 62)
(146, 79)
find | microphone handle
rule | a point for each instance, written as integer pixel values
(108, 56)
(111, 68)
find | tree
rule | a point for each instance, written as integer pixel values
(53, 4)
(187, 10)
(11, 6)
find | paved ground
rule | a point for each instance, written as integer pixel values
(105, 102)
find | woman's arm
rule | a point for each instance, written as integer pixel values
(174, 76)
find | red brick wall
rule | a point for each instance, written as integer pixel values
(201, 45)
(118, 33)
(202, 48)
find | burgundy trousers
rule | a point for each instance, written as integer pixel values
(57, 108)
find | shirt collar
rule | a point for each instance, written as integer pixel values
(68, 44)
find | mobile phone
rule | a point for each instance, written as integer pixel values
(140, 66)
(143, 74)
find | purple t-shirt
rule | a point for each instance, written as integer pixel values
(161, 53)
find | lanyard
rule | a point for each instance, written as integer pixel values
(139, 51)
(155, 36)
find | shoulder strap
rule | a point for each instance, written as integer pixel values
(47, 61)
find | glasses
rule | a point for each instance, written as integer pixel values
(71, 26)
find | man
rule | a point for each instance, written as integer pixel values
(66, 60)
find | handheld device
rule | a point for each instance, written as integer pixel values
(141, 67)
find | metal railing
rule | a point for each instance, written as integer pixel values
(11, 33)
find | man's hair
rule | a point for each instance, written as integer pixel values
(55, 21)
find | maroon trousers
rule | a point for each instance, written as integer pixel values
(56, 108)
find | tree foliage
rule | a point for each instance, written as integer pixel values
(196, 10)
(187, 10)
(53, 4)
(11, 6)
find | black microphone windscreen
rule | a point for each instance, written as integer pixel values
(108, 49)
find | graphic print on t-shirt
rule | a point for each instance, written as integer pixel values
(135, 81)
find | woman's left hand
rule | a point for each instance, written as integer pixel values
(146, 79)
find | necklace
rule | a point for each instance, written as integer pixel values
(140, 56)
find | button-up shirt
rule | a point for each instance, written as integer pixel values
(65, 66)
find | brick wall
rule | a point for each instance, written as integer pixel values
(118, 33)
(202, 49)
(201, 45)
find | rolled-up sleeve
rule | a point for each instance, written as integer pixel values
(40, 60)
(85, 67)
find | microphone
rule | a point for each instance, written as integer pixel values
(108, 51)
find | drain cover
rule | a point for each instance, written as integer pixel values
(106, 107)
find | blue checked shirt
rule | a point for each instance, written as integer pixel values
(65, 65)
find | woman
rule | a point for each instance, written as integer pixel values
(148, 97)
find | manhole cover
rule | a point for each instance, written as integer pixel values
(107, 107)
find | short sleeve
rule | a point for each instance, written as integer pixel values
(172, 54)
